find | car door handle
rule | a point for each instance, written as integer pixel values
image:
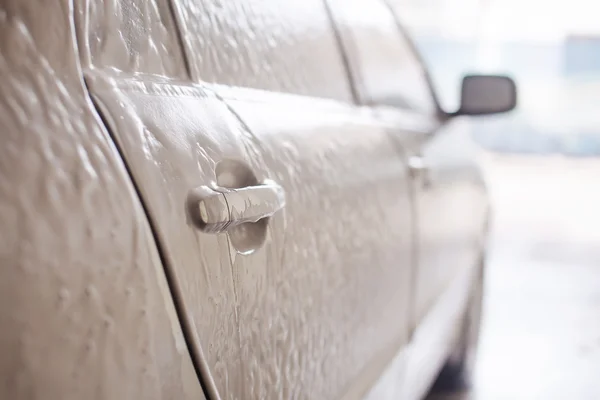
(419, 170)
(218, 209)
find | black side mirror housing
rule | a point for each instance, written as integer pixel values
(487, 95)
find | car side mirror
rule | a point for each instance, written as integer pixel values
(487, 94)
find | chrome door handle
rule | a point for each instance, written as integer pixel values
(218, 209)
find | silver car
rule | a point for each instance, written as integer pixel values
(241, 199)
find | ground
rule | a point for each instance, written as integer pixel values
(541, 327)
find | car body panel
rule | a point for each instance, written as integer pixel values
(264, 45)
(452, 210)
(85, 308)
(337, 295)
(358, 285)
(309, 139)
(172, 137)
(284, 322)
(411, 372)
(450, 200)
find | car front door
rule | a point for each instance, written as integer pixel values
(450, 201)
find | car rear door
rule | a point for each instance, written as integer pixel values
(311, 301)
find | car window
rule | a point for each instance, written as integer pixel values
(262, 44)
(134, 37)
(384, 67)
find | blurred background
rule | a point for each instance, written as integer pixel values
(552, 49)
(541, 326)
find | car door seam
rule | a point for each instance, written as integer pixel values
(405, 154)
(184, 320)
(174, 10)
(350, 78)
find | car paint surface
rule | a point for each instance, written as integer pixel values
(113, 117)
(85, 309)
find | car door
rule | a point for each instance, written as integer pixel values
(311, 301)
(450, 202)
(326, 300)
(452, 210)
